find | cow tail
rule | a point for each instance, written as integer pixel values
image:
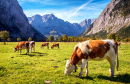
(117, 61)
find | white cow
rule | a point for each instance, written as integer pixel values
(32, 45)
(93, 50)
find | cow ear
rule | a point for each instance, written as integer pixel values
(119, 44)
(76, 48)
(71, 63)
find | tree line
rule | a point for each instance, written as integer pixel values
(65, 38)
(4, 35)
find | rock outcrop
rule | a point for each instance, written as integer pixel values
(111, 19)
(85, 23)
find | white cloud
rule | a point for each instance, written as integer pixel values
(80, 8)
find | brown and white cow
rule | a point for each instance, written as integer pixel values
(32, 45)
(45, 44)
(22, 45)
(55, 45)
(93, 50)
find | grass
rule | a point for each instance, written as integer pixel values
(49, 64)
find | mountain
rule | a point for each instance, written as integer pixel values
(85, 23)
(115, 16)
(14, 20)
(51, 25)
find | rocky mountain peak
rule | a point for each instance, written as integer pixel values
(47, 17)
(85, 23)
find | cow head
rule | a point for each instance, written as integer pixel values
(41, 45)
(69, 68)
(52, 47)
(15, 49)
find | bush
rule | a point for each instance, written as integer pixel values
(51, 38)
(126, 39)
(29, 39)
(18, 39)
(111, 36)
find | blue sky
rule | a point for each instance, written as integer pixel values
(73, 11)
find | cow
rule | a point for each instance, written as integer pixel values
(93, 50)
(45, 44)
(55, 45)
(22, 45)
(32, 45)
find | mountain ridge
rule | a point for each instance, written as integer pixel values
(50, 23)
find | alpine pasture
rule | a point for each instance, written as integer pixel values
(48, 65)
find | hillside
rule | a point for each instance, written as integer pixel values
(114, 17)
(123, 33)
(14, 20)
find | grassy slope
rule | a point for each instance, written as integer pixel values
(101, 34)
(38, 67)
(124, 32)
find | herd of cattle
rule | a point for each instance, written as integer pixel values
(31, 45)
(83, 52)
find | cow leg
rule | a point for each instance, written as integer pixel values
(87, 69)
(20, 52)
(84, 61)
(27, 51)
(31, 49)
(17, 52)
(112, 66)
(34, 48)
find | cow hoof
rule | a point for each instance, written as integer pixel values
(79, 76)
(112, 76)
(86, 75)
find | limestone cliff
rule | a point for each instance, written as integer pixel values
(115, 16)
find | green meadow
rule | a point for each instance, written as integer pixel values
(47, 66)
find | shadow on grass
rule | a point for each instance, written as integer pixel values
(123, 78)
(28, 55)
(87, 77)
(36, 54)
(55, 49)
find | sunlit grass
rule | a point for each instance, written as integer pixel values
(49, 64)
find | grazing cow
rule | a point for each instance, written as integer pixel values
(45, 44)
(32, 45)
(22, 45)
(55, 45)
(93, 50)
